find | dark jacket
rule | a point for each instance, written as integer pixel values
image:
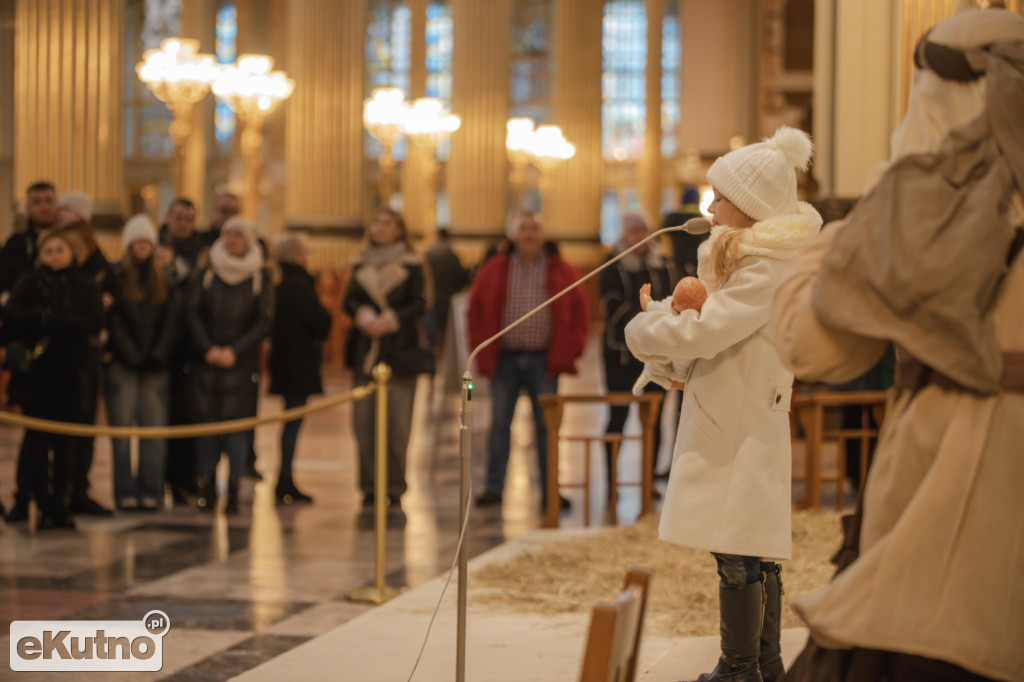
(222, 314)
(406, 296)
(97, 268)
(142, 334)
(684, 244)
(448, 274)
(570, 315)
(186, 253)
(620, 295)
(448, 277)
(296, 341)
(17, 257)
(63, 311)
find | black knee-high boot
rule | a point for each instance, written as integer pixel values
(741, 614)
(770, 660)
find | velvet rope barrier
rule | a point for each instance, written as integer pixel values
(184, 430)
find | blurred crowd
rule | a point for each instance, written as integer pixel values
(182, 329)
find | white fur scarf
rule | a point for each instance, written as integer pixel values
(779, 237)
(235, 269)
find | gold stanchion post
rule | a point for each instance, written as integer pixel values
(379, 593)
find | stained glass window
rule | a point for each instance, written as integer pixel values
(226, 39)
(146, 120)
(439, 59)
(531, 60)
(387, 59)
(623, 96)
(671, 63)
(439, 51)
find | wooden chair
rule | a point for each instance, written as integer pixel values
(554, 408)
(613, 643)
(816, 434)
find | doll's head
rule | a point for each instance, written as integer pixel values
(689, 294)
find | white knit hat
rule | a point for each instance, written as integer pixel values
(139, 228)
(760, 179)
(243, 225)
(77, 203)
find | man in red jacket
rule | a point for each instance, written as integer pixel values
(526, 271)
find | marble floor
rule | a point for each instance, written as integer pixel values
(243, 590)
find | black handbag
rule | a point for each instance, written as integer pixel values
(19, 357)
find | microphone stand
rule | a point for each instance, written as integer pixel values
(694, 226)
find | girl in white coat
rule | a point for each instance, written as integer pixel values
(729, 490)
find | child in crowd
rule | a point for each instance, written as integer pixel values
(729, 487)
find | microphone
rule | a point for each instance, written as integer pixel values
(696, 226)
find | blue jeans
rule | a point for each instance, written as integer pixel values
(517, 371)
(237, 445)
(143, 399)
(289, 438)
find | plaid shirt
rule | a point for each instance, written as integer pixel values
(527, 289)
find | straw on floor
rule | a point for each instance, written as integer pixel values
(572, 574)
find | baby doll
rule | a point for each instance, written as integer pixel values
(689, 294)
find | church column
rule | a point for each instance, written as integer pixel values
(715, 84)
(572, 191)
(68, 100)
(197, 22)
(324, 128)
(9, 194)
(863, 96)
(419, 186)
(478, 166)
(649, 167)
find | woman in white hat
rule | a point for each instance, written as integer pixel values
(143, 333)
(729, 486)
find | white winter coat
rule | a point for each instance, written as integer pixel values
(729, 488)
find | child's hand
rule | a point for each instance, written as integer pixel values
(645, 296)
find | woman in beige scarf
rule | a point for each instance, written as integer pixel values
(386, 297)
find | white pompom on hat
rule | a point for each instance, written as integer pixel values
(760, 179)
(140, 227)
(77, 203)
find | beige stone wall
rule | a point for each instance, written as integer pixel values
(324, 124)
(67, 98)
(477, 170)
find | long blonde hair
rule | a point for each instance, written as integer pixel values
(725, 251)
(143, 280)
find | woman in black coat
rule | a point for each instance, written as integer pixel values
(300, 327)
(229, 309)
(53, 313)
(386, 297)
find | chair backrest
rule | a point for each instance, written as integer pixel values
(613, 643)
